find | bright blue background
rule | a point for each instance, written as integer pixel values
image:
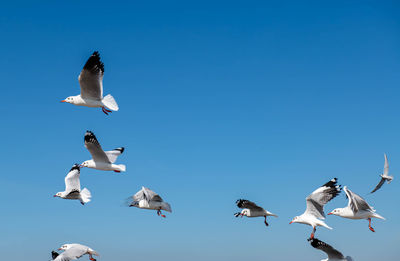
(218, 101)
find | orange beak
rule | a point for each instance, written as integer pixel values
(291, 222)
(63, 101)
(55, 196)
(330, 213)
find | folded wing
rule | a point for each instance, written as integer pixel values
(72, 180)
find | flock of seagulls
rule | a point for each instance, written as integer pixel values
(91, 84)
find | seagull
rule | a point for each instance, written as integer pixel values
(102, 160)
(73, 252)
(91, 82)
(357, 208)
(73, 187)
(333, 254)
(315, 206)
(148, 199)
(385, 176)
(250, 209)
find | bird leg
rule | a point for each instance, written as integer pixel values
(105, 110)
(370, 228)
(160, 214)
(118, 171)
(265, 221)
(91, 257)
(312, 233)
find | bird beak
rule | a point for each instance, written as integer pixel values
(59, 249)
(291, 222)
(63, 101)
(55, 196)
(330, 213)
(81, 166)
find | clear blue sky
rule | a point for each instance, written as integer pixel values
(218, 101)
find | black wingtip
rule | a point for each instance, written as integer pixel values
(94, 63)
(90, 137)
(120, 149)
(54, 254)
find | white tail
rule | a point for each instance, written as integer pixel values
(378, 216)
(110, 103)
(85, 196)
(122, 167)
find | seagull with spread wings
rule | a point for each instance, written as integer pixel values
(316, 201)
(357, 208)
(101, 160)
(251, 209)
(148, 199)
(73, 252)
(91, 82)
(333, 254)
(385, 176)
(73, 187)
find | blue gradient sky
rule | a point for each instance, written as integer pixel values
(218, 101)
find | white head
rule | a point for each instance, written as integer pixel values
(65, 247)
(245, 212)
(88, 164)
(70, 99)
(59, 194)
(336, 212)
(296, 219)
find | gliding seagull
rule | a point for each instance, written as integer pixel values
(250, 209)
(385, 176)
(148, 199)
(333, 254)
(73, 252)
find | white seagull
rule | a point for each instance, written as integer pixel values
(333, 254)
(315, 206)
(102, 160)
(148, 199)
(385, 176)
(73, 187)
(73, 252)
(250, 209)
(91, 82)
(357, 208)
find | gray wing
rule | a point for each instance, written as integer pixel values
(380, 184)
(315, 201)
(72, 253)
(386, 166)
(329, 250)
(93, 146)
(356, 202)
(151, 195)
(91, 78)
(244, 203)
(113, 154)
(72, 182)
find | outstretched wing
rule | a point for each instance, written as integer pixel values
(356, 202)
(113, 154)
(72, 181)
(316, 200)
(72, 253)
(91, 78)
(244, 203)
(329, 250)
(93, 146)
(151, 195)
(386, 166)
(380, 184)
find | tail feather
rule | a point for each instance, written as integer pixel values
(85, 196)
(110, 103)
(122, 166)
(378, 216)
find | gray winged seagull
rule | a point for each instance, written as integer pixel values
(73, 252)
(73, 187)
(333, 254)
(101, 160)
(357, 208)
(148, 199)
(91, 83)
(314, 214)
(251, 209)
(385, 177)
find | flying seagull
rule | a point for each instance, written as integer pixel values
(333, 254)
(73, 252)
(73, 187)
(101, 160)
(385, 176)
(357, 208)
(315, 205)
(91, 82)
(250, 209)
(148, 199)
